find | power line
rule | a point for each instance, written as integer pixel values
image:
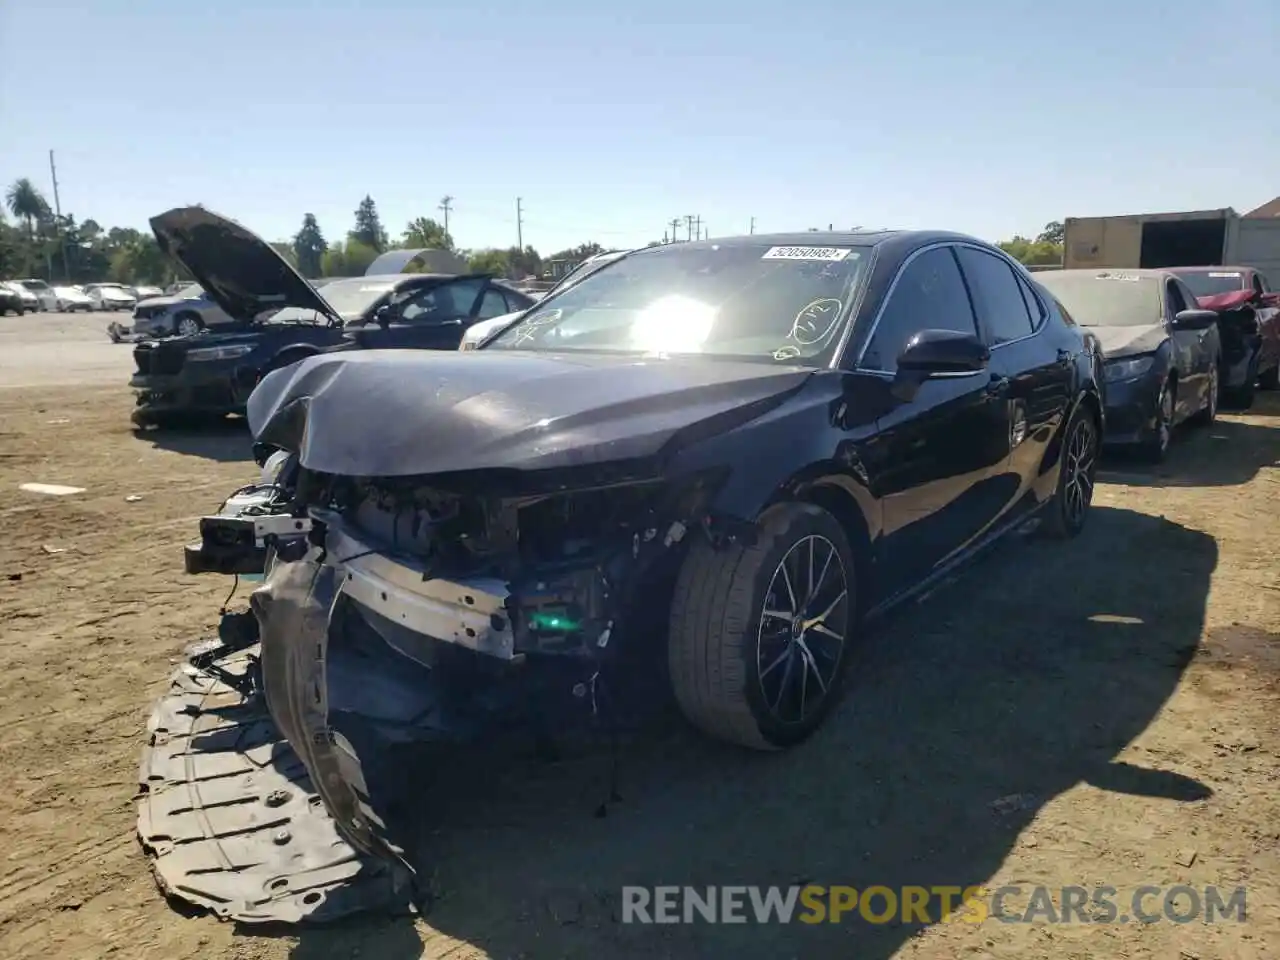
(445, 203)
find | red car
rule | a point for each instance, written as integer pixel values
(1250, 312)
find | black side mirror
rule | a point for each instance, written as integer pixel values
(384, 315)
(933, 352)
(1194, 319)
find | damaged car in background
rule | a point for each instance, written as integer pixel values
(278, 318)
(716, 458)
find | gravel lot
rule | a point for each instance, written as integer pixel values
(1103, 712)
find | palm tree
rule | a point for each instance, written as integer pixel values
(26, 203)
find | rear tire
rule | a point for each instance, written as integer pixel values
(742, 666)
(1270, 380)
(1067, 512)
(1209, 412)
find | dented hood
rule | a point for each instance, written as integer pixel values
(389, 413)
(243, 273)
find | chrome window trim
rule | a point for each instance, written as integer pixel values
(888, 295)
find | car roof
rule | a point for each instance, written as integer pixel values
(1225, 269)
(1145, 273)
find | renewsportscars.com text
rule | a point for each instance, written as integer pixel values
(815, 904)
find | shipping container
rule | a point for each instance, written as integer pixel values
(1197, 238)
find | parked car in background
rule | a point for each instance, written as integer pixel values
(11, 301)
(285, 318)
(110, 296)
(1163, 352)
(43, 293)
(1249, 316)
(71, 299)
(184, 313)
(146, 293)
(725, 455)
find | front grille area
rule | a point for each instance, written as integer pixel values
(147, 312)
(154, 359)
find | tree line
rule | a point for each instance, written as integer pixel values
(60, 248)
(41, 243)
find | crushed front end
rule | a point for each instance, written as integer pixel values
(445, 608)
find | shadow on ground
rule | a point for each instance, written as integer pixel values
(966, 714)
(1228, 453)
(225, 440)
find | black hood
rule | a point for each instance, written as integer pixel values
(242, 273)
(400, 413)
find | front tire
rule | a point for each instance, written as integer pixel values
(1067, 512)
(187, 325)
(760, 635)
(1156, 448)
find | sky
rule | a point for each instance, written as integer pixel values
(987, 116)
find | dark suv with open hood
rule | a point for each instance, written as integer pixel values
(280, 318)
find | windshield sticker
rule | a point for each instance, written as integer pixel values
(1119, 276)
(1231, 276)
(806, 253)
(815, 322)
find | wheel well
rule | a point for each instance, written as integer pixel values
(848, 514)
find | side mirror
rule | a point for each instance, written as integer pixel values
(1194, 319)
(933, 352)
(384, 315)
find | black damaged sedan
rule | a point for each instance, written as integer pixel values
(1163, 353)
(753, 443)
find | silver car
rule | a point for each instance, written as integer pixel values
(110, 296)
(186, 312)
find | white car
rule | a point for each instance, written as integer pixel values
(110, 296)
(41, 291)
(30, 302)
(71, 299)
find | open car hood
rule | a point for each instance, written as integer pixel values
(401, 413)
(241, 272)
(1235, 299)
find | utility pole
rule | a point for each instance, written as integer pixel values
(688, 226)
(753, 225)
(675, 225)
(446, 204)
(57, 223)
(519, 226)
(698, 221)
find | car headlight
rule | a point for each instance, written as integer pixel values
(220, 353)
(1128, 369)
(468, 344)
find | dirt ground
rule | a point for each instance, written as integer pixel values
(1103, 712)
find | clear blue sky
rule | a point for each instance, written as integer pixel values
(986, 116)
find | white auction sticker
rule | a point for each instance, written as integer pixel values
(806, 253)
(1233, 276)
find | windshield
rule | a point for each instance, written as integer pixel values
(1106, 299)
(740, 300)
(190, 292)
(71, 292)
(114, 288)
(353, 297)
(1210, 283)
(34, 284)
